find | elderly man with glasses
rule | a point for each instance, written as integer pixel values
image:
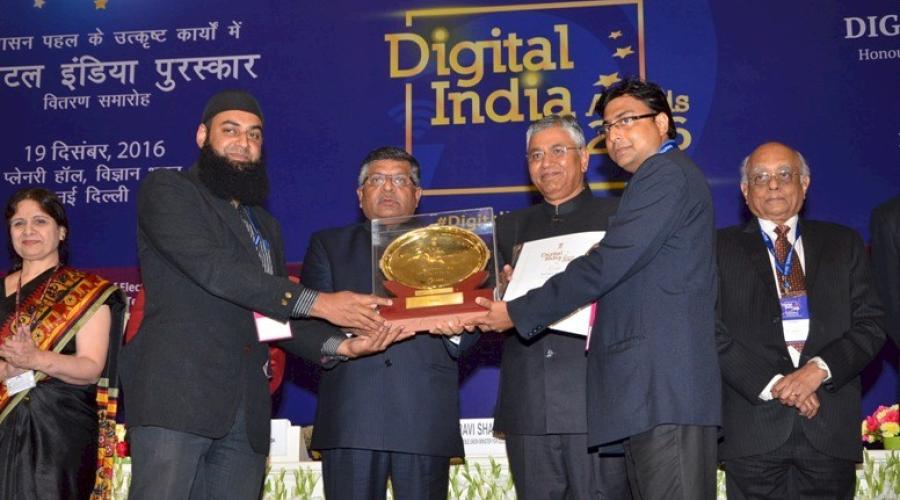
(393, 414)
(799, 318)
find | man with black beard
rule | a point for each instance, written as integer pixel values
(212, 262)
(244, 181)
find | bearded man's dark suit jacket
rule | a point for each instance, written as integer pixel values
(845, 330)
(196, 355)
(404, 399)
(652, 357)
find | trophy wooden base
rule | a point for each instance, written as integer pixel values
(423, 319)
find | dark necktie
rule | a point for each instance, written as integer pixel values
(796, 281)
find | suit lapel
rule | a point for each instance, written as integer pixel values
(229, 215)
(813, 249)
(753, 245)
(812, 252)
(759, 257)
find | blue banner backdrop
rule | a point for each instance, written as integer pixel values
(96, 93)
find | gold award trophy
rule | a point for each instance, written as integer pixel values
(435, 273)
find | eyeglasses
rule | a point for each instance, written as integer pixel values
(625, 122)
(782, 176)
(555, 152)
(398, 180)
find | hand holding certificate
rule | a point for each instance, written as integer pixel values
(539, 260)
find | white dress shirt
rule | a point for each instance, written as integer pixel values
(769, 228)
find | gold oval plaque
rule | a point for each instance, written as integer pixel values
(434, 257)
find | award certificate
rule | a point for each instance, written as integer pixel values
(541, 259)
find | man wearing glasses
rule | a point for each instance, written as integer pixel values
(799, 318)
(393, 414)
(653, 381)
(543, 413)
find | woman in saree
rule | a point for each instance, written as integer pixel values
(59, 336)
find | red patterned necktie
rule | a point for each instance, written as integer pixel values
(796, 281)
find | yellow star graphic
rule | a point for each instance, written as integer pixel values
(622, 52)
(39, 4)
(607, 80)
(615, 34)
(100, 4)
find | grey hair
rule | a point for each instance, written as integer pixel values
(389, 153)
(566, 122)
(804, 167)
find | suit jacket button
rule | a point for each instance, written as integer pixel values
(549, 354)
(284, 302)
(247, 348)
(388, 363)
(776, 320)
(288, 295)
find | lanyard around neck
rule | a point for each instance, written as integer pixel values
(666, 146)
(783, 268)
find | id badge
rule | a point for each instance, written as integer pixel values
(19, 383)
(268, 329)
(795, 317)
